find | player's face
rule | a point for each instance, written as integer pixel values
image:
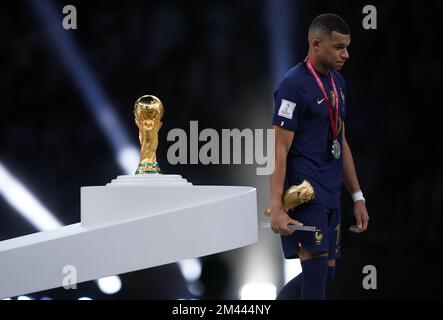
(334, 50)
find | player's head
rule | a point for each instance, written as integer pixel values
(329, 36)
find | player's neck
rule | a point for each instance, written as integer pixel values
(318, 66)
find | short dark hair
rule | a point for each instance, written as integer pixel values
(329, 22)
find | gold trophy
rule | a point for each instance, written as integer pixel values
(295, 196)
(148, 112)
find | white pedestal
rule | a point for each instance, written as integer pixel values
(132, 223)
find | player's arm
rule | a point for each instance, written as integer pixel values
(279, 218)
(351, 182)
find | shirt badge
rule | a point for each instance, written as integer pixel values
(286, 109)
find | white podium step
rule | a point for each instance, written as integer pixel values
(149, 180)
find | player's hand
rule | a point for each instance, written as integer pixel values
(361, 217)
(280, 221)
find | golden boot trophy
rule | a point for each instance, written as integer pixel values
(295, 196)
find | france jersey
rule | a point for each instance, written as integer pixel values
(300, 107)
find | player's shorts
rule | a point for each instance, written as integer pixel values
(325, 239)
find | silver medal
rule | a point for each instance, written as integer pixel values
(336, 149)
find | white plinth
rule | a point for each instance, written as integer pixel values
(132, 223)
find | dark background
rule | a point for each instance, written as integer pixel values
(215, 62)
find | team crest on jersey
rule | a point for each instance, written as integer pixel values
(318, 237)
(342, 95)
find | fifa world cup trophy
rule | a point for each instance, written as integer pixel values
(148, 112)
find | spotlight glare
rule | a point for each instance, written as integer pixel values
(110, 285)
(196, 288)
(191, 269)
(258, 291)
(25, 203)
(292, 267)
(128, 159)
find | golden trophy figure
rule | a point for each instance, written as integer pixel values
(148, 112)
(295, 196)
(292, 198)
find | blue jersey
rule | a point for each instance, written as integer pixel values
(300, 106)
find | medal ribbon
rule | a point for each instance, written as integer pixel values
(328, 102)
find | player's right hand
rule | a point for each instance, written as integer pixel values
(280, 220)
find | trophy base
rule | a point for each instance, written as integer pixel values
(148, 168)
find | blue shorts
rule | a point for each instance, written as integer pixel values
(325, 239)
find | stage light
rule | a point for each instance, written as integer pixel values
(128, 159)
(110, 285)
(196, 288)
(24, 298)
(258, 291)
(191, 269)
(291, 269)
(282, 17)
(22, 200)
(84, 298)
(85, 80)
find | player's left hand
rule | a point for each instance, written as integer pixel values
(361, 217)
